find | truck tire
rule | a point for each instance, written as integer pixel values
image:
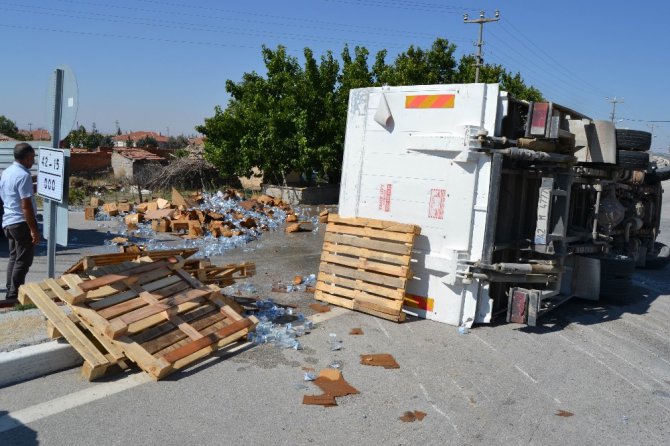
(658, 259)
(629, 159)
(633, 140)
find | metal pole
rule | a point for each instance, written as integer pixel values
(614, 101)
(55, 142)
(481, 20)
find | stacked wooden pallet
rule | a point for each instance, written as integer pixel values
(365, 265)
(154, 314)
(98, 260)
(222, 275)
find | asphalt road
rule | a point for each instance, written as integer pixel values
(606, 367)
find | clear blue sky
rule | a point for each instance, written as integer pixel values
(154, 65)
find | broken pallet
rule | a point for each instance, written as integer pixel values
(365, 265)
(157, 314)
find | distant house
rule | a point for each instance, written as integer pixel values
(6, 138)
(131, 163)
(36, 135)
(122, 140)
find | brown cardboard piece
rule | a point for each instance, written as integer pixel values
(333, 386)
(158, 214)
(411, 416)
(381, 360)
(356, 332)
(319, 308)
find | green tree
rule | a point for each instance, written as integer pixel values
(146, 141)
(9, 128)
(176, 143)
(293, 117)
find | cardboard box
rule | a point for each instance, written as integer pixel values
(124, 207)
(162, 225)
(111, 209)
(90, 212)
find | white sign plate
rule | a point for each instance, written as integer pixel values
(50, 173)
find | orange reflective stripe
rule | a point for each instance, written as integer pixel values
(422, 303)
(430, 101)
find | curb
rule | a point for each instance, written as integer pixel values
(35, 361)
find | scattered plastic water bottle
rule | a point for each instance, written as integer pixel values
(310, 376)
(337, 365)
(335, 343)
(463, 329)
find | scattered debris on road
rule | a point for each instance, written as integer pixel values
(333, 386)
(380, 360)
(412, 416)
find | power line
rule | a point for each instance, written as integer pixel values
(313, 24)
(193, 27)
(542, 53)
(407, 5)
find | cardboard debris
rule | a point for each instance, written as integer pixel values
(303, 226)
(319, 308)
(119, 240)
(95, 202)
(323, 216)
(411, 416)
(90, 212)
(333, 386)
(356, 331)
(563, 413)
(297, 280)
(380, 360)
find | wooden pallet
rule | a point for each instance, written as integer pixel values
(154, 314)
(92, 261)
(365, 265)
(222, 276)
(157, 314)
(100, 358)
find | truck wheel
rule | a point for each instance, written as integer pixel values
(629, 159)
(659, 258)
(633, 140)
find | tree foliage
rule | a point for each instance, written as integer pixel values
(146, 141)
(81, 138)
(9, 128)
(293, 117)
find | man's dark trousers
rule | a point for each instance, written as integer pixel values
(21, 252)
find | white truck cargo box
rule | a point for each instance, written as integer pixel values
(408, 158)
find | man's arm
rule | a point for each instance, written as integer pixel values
(29, 214)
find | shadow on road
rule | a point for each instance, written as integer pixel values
(646, 290)
(77, 239)
(14, 432)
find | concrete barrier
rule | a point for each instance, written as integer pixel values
(38, 360)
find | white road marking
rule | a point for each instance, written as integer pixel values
(437, 409)
(525, 373)
(67, 402)
(382, 328)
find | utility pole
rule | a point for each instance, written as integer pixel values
(481, 20)
(614, 101)
(30, 127)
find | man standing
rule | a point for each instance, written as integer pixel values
(19, 221)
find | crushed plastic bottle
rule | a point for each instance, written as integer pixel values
(463, 329)
(337, 365)
(335, 343)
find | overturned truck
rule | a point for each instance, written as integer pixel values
(522, 206)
